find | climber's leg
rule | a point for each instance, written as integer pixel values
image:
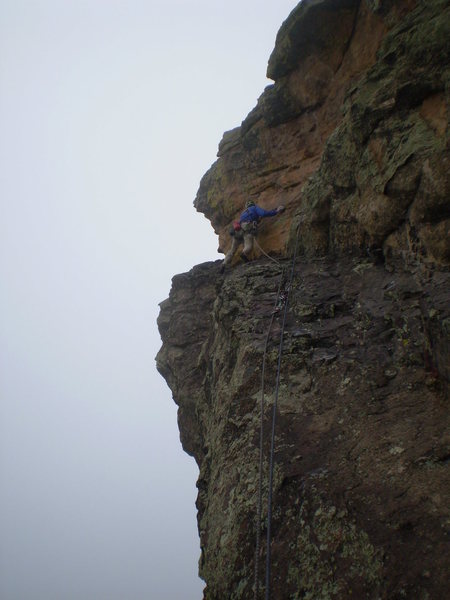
(232, 251)
(248, 246)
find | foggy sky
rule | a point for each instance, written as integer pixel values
(110, 113)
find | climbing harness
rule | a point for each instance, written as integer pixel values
(282, 302)
(249, 226)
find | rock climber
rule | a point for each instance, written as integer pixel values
(245, 230)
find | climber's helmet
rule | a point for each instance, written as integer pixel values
(249, 203)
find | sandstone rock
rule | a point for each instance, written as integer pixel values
(359, 108)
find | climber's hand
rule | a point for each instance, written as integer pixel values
(281, 209)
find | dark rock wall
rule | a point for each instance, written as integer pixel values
(361, 495)
(353, 138)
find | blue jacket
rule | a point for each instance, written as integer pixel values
(255, 213)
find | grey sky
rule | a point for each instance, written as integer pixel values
(110, 113)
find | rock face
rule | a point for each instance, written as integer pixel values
(353, 135)
(353, 138)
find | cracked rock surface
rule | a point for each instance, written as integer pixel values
(362, 447)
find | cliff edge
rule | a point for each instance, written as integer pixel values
(346, 330)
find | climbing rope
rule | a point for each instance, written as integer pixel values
(261, 437)
(272, 437)
(277, 262)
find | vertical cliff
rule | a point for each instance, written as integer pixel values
(353, 138)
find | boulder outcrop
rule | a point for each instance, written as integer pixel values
(353, 138)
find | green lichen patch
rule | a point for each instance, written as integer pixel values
(328, 546)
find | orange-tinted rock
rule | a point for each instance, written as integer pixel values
(358, 110)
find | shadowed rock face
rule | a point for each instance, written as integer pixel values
(353, 139)
(361, 488)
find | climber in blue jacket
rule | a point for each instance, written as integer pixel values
(246, 229)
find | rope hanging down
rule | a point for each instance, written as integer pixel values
(277, 262)
(272, 439)
(261, 436)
